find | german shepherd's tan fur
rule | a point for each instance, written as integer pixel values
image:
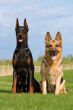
(52, 67)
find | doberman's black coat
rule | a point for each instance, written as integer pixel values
(23, 73)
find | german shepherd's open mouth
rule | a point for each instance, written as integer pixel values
(53, 54)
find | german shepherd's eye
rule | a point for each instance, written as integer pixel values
(57, 45)
(50, 46)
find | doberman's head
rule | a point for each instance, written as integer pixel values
(22, 33)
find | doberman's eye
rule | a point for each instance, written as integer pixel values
(17, 31)
(23, 30)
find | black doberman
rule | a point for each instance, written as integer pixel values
(23, 68)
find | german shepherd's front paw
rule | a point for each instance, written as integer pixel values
(56, 93)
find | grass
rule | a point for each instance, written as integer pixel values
(9, 101)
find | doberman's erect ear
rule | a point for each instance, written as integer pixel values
(48, 37)
(26, 25)
(58, 36)
(17, 23)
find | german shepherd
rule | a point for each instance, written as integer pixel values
(52, 67)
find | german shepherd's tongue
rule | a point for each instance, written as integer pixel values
(54, 58)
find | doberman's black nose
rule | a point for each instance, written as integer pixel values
(20, 36)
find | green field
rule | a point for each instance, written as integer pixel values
(9, 101)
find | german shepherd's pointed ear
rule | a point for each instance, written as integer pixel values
(26, 25)
(48, 37)
(17, 23)
(58, 36)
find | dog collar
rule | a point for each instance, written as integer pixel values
(23, 49)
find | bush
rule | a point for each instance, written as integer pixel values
(5, 62)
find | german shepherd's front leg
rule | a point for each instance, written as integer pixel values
(44, 87)
(62, 88)
(57, 90)
(14, 82)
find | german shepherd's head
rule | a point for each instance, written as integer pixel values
(53, 48)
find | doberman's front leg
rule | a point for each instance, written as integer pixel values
(14, 82)
(31, 88)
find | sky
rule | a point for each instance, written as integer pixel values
(42, 16)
